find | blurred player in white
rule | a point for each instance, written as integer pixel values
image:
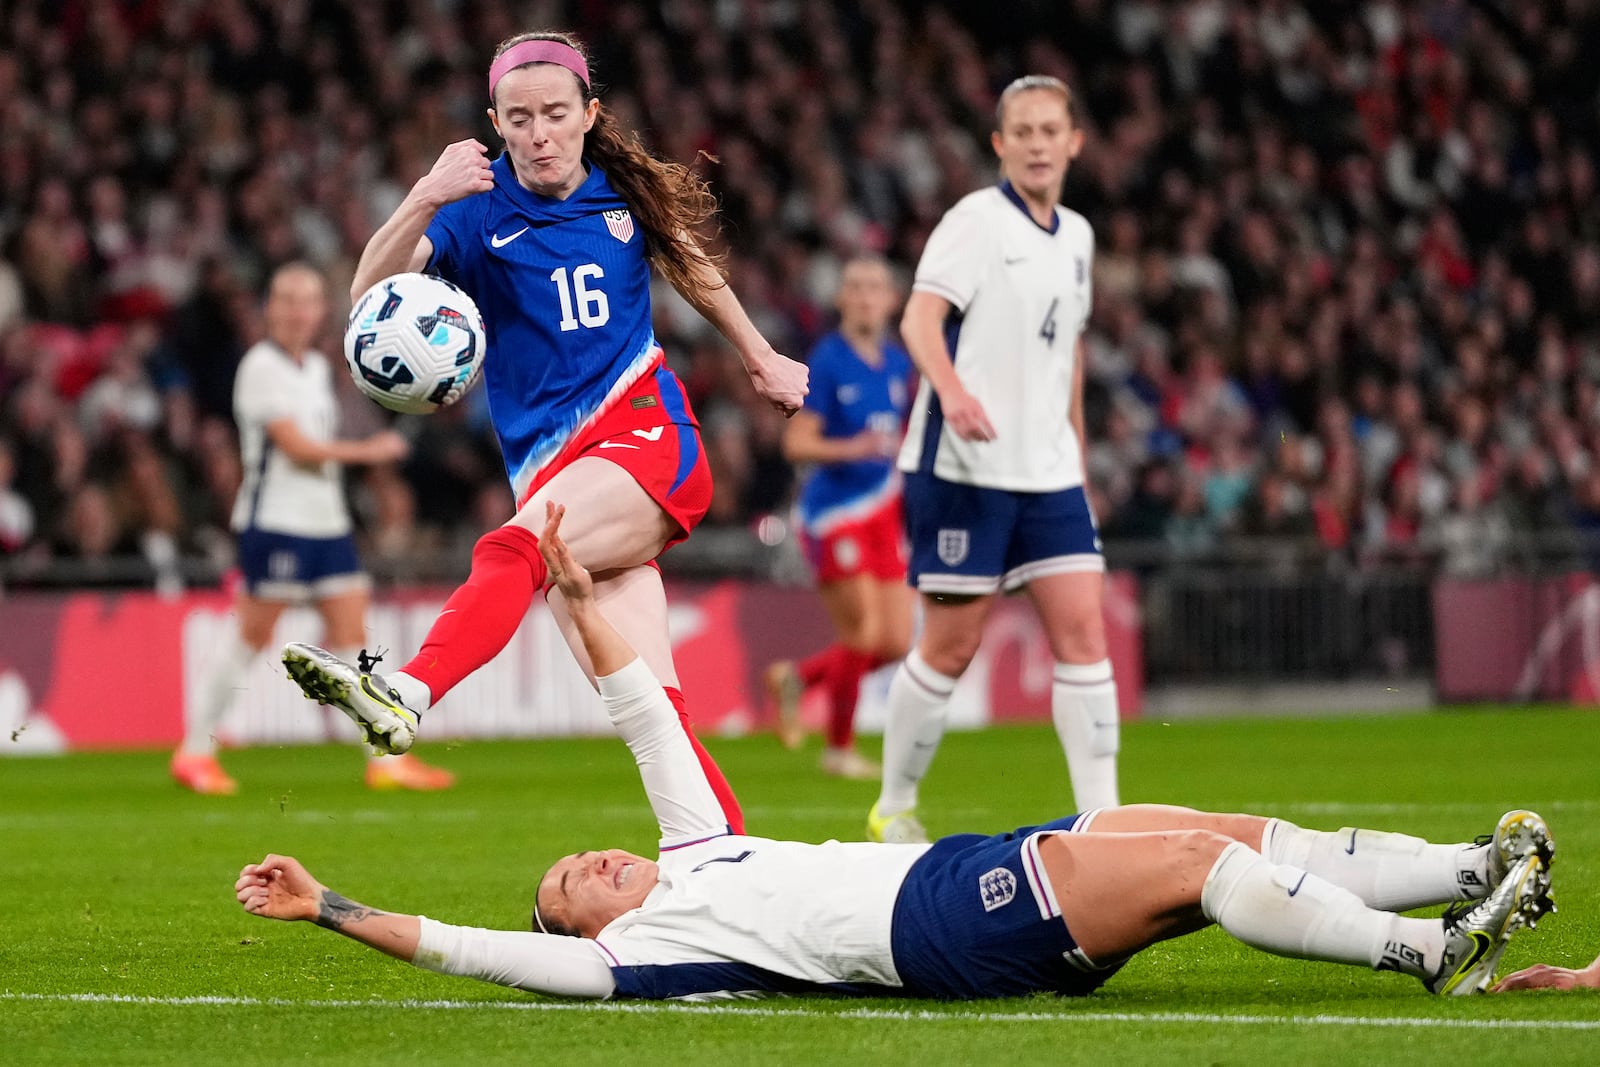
(1057, 907)
(849, 511)
(294, 530)
(994, 455)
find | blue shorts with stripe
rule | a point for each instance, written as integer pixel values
(280, 566)
(976, 918)
(973, 540)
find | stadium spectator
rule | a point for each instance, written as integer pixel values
(1052, 908)
(1313, 168)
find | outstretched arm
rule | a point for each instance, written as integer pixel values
(778, 379)
(279, 887)
(1546, 976)
(685, 806)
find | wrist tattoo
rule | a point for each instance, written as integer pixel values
(334, 911)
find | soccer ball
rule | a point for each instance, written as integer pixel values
(414, 343)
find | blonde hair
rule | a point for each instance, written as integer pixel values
(1034, 81)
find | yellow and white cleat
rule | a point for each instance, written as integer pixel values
(388, 726)
(901, 828)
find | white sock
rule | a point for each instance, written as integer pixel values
(1291, 912)
(919, 698)
(1083, 703)
(1390, 872)
(416, 694)
(217, 695)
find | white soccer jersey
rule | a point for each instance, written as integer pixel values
(1022, 294)
(747, 915)
(278, 494)
(730, 916)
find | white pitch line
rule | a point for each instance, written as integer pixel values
(856, 1014)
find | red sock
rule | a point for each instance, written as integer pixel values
(844, 688)
(816, 670)
(719, 784)
(481, 615)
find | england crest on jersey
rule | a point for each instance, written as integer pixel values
(620, 223)
(953, 546)
(996, 888)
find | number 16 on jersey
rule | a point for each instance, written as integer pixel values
(592, 307)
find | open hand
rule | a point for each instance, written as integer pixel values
(1546, 976)
(570, 576)
(279, 887)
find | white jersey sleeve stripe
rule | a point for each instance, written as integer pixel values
(930, 286)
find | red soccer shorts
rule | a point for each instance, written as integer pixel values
(650, 432)
(874, 545)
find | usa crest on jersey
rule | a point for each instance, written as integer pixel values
(620, 223)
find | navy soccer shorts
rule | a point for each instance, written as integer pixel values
(280, 566)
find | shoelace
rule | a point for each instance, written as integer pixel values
(365, 663)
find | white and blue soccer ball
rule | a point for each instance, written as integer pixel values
(414, 343)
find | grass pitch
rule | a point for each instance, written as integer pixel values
(120, 941)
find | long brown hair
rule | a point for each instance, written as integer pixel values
(668, 199)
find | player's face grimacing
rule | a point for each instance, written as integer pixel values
(540, 113)
(1036, 142)
(587, 890)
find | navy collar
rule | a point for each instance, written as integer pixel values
(1022, 205)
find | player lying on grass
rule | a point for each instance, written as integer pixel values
(1055, 907)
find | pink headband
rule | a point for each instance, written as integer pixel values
(537, 52)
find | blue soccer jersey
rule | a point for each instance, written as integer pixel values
(851, 396)
(564, 287)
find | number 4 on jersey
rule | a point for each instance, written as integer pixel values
(1047, 329)
(593, 308)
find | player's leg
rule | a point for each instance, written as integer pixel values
(959, 536)
(1056, 553)
(919, 697)
(344, 629)
(1388, 871)
(1119, 893)
(852, 607)
(194, 765)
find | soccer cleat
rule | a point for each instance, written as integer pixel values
(408, 773)
(1518, 834)
(850, 764)
(785, 689)
(200, 773)
(901, 828)
(1476, 937)
(387, 725)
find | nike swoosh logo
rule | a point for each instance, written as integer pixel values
(1481, 944)
(1297, 885)
(617, 444)
(1351, 850)
(501, 242)
(1010, 262)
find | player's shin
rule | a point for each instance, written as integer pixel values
(919, 698)
(480, 616)
(1291, 912)
(1388, 871)
(217, 696)
(1083, 703)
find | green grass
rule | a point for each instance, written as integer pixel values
(112, 882)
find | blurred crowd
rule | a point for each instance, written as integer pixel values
(1347, 289)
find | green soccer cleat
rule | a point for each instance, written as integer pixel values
(1476, 937)
(387, 725)
(901, 828)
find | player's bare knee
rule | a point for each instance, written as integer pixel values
(1195, 852)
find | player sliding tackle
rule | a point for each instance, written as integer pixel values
(1057, 907)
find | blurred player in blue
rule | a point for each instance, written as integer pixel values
(555, 240)
(849, 510)
(294, 529)
(994, 455)
(1055, 908)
